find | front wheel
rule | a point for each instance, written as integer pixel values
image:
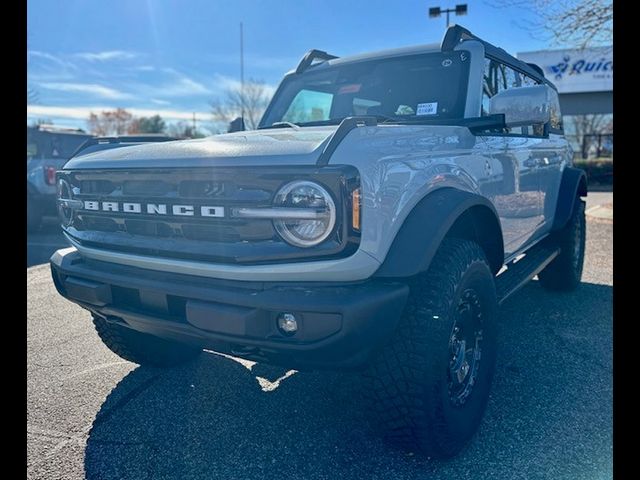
(429, 385)
(142, 348)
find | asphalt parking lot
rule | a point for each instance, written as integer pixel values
(91, 414)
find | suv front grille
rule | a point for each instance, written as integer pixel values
(221, 239)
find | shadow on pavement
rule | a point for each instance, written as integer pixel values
(549, 415)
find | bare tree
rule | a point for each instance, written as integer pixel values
(579, 23)
(579, 126)
(183, 129)
(253, 100)
(32, 96)
(110, 122)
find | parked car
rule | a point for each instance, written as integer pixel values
(387, 205)
(48, 148)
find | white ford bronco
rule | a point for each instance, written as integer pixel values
(385, 207)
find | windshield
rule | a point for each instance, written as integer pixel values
(424, 86)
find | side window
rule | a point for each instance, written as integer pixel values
(493, 82)
(498, 77)
(309, 106)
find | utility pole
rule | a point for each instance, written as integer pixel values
(194, 122)
(241, 71)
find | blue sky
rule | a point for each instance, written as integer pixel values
(172, 57)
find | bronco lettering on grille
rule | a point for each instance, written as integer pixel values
(154, 208)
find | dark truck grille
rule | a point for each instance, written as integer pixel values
(215, 238)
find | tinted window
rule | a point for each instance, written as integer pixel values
(498, 77)
(430, 85)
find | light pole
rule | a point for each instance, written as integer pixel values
(241, 72)
(435, 12)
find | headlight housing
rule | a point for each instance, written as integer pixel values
(316, 217)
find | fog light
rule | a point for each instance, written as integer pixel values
(287, 323)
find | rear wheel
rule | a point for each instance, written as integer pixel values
(565, 271)
(142, 348)
(429, 385)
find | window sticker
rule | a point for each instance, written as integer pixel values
(430, 108)
(352, 88)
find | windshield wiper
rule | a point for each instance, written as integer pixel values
(282, 124)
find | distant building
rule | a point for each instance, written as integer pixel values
(585, 86)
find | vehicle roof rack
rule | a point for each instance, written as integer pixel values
(312, 55)
(456, 34)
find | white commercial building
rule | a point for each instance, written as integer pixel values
(584, 78)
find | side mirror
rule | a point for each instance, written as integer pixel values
(236, 125)
(524, 105)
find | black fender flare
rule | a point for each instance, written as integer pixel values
(430, 221)
(572, 185)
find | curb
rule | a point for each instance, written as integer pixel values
(602, 212)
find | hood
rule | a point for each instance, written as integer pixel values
(284, 146)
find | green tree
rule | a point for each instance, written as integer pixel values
(154, 124)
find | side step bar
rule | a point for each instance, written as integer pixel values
(519, 273)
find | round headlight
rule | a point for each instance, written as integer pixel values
(318, 212)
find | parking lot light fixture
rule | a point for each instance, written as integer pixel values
(435, 12)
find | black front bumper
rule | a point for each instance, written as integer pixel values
(339, 325)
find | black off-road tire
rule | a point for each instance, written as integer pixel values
(565, 271)
(142, 348)
(409, 383)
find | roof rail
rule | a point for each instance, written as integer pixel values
(537, 68)
(310, 56)
(456, 34)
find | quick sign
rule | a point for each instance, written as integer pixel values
(575, 71)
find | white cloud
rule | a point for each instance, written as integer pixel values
(180, 86)
(89, 88)
(50, 58)
(82, 113)
(157, 101)
(106, 55)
